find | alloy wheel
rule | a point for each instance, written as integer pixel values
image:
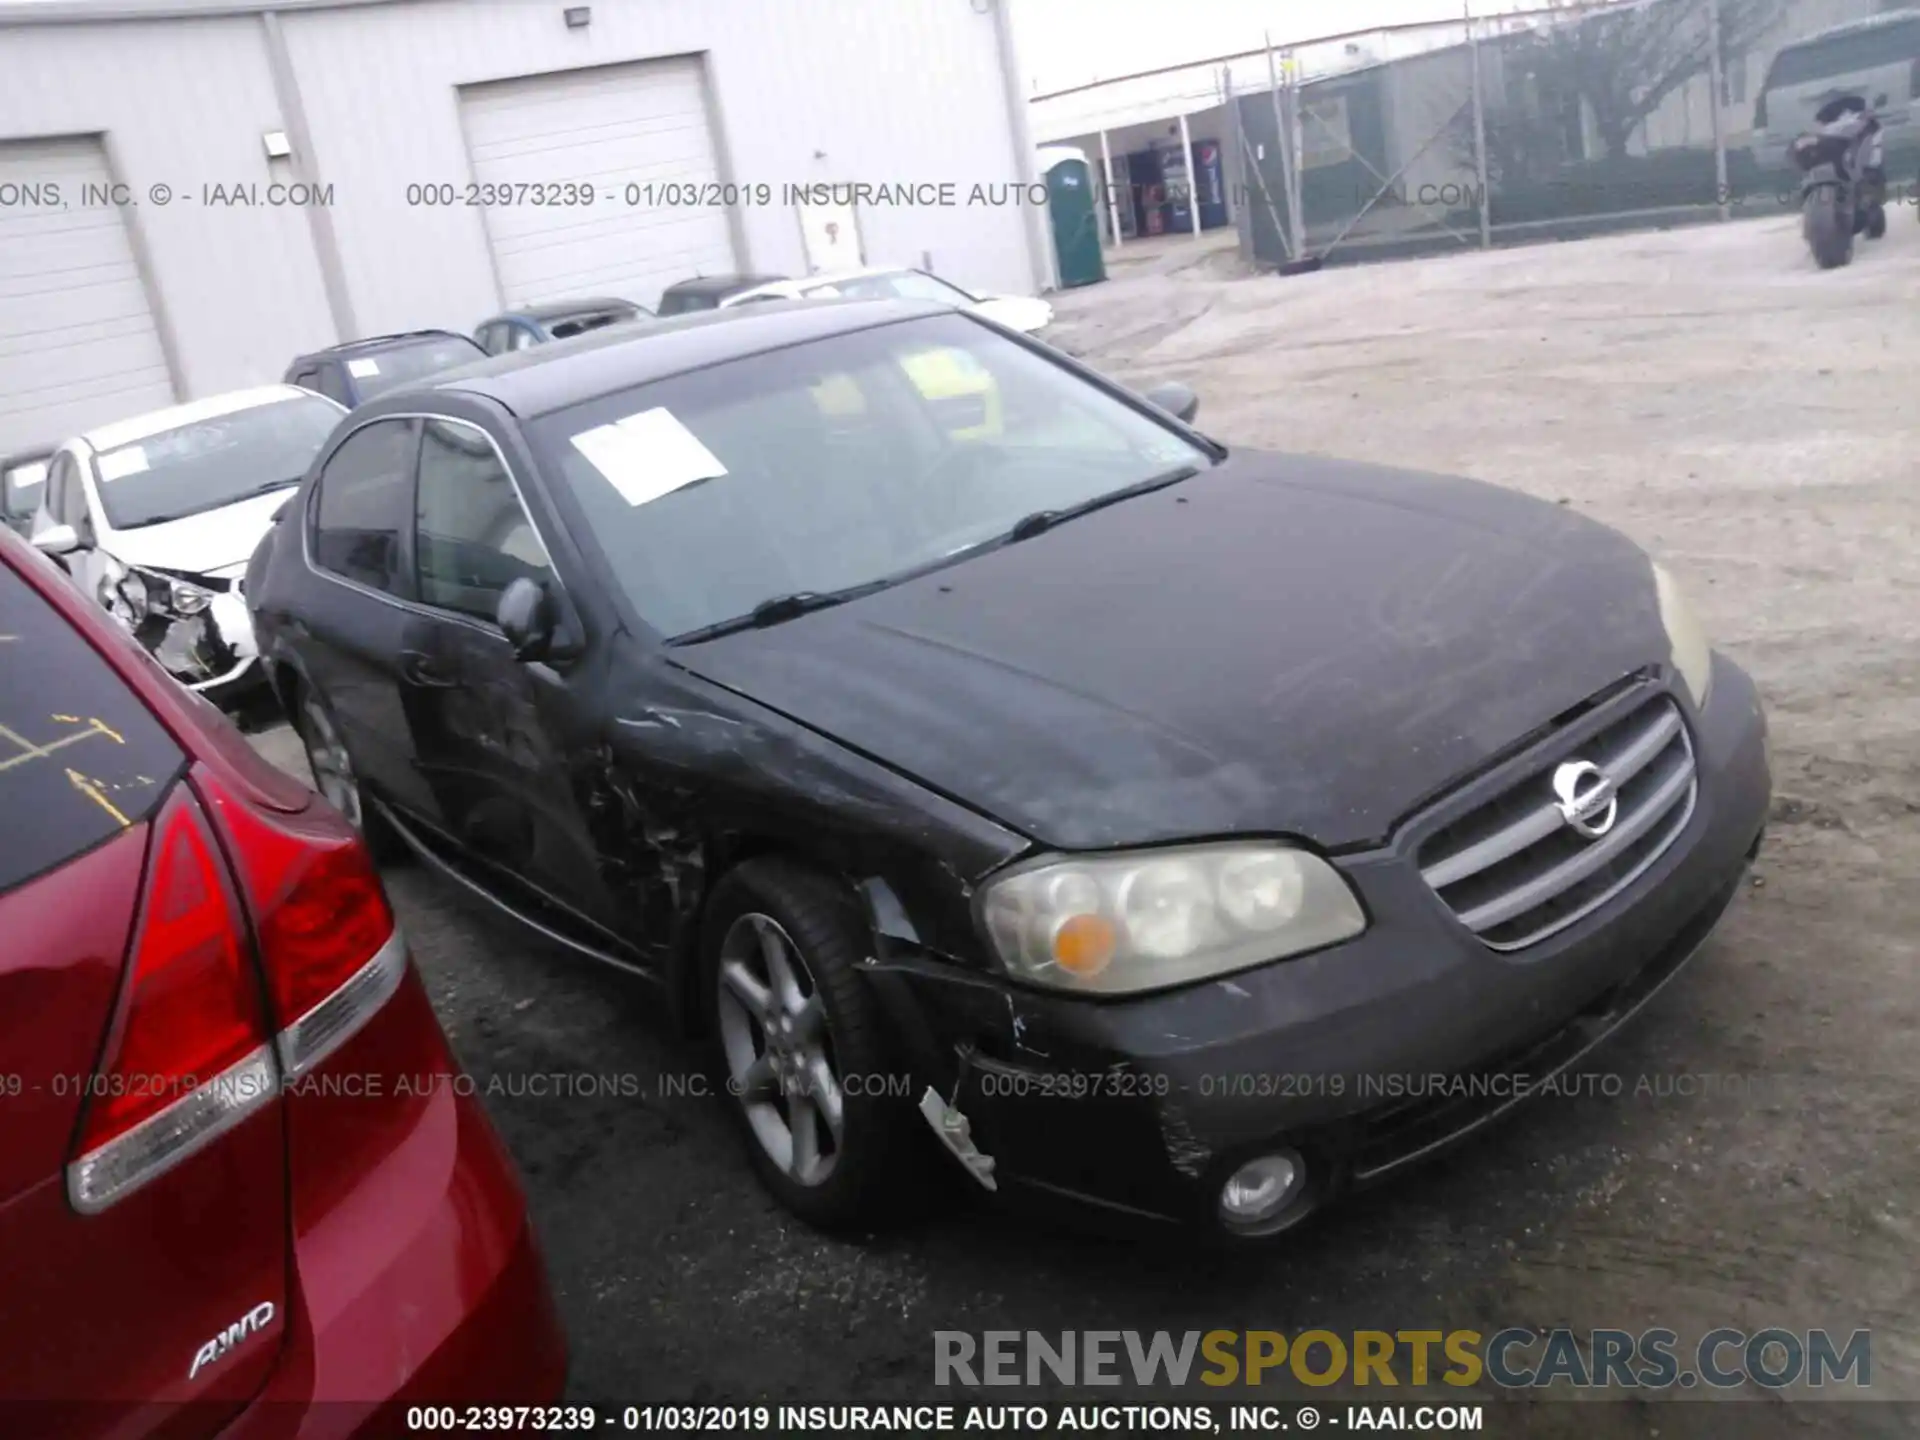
(779, 1049)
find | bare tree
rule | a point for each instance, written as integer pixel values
(1623, 60)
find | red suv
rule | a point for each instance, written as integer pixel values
(241, 1193)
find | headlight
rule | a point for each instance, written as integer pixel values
(1692, 655)
(185, 599)
(1114, 924)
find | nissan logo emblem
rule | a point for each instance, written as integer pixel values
(1589, 801)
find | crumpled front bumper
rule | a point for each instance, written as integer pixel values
(213, 652)
(1145, 1106)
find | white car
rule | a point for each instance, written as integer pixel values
(156, 518)
(1025, 313)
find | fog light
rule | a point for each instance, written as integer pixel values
(1261, 1189)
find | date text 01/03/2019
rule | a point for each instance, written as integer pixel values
(676, 194)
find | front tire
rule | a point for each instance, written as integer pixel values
(334, 778)
(793, 1020)
(1829, 232)
(1876, 222)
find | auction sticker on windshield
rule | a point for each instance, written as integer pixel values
(121, 463)
(363, 369)
(648, 455)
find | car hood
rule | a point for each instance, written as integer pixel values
(214, 542)
(1280, 645)
(1024, 313)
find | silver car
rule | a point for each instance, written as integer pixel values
(1877, 59)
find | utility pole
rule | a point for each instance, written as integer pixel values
(1716, 78)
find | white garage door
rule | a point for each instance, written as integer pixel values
(77, 341)
(622, 128)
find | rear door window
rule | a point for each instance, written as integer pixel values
(79, 752)
(365, 500)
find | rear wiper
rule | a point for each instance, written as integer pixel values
(1040, 521)
(780, 609)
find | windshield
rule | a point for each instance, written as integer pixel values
(685, 302)
(900, 284)
(838, 463)
(213, 462)
(380, 372)
(20, 488)
(563, 326)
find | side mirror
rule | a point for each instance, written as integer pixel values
(525, 616)
(1177, 400)
(57, 540)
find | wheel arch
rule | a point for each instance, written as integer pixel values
(721, 856)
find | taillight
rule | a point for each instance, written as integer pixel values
(1760, 112)
(1913, 80)
(194, 1052)
(191, 1057)
(328, 945)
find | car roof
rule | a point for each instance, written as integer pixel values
(551, 377)
(382, 342)
(560, 309)
(139, 427)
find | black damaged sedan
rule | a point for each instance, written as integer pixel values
(963, 742)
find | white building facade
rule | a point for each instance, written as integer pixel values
(193, 193)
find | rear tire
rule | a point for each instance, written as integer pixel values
(1829, 233)
(792, 1020)
(334, 778)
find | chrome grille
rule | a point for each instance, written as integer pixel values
(1515, 872)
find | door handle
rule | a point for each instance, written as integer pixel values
(417, 669)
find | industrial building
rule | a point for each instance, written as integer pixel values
(193, 193)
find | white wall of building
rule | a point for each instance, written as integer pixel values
(868, 91)
(177, 104)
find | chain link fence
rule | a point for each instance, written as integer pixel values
(1554, 123)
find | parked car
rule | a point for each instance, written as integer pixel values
(243, 1191)
(537, 324)
(1217, 791)
(1026, 313)
(705, 292)
(358, 370)
(22, 476)
(1876, 58)
(156, 517)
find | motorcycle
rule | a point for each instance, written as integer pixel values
(1844, 193)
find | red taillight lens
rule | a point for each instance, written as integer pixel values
(331, 921)
(191, 1056)
(328, 945)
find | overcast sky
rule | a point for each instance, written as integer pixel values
(1071, 42)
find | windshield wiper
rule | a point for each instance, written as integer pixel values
(168, 516)
(1041, 521)
(780, 609)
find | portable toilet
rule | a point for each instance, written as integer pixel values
(1074, 208)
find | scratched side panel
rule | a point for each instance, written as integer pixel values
(688, 775)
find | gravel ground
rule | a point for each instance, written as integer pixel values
(1743, 415)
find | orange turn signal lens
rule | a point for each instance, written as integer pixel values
(1083, 945)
